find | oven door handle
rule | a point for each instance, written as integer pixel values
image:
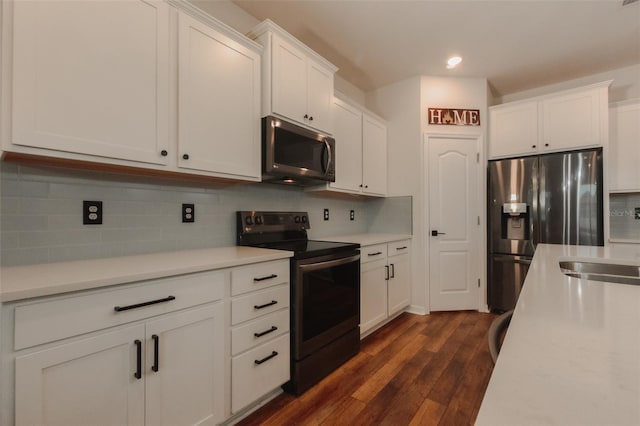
(329, 263)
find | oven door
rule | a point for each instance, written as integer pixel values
(326, 295)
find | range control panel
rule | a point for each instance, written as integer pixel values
(257, 221)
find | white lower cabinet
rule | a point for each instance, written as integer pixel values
(385, 283)
(260, 339)
(151, 353)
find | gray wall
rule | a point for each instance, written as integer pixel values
(41, 214)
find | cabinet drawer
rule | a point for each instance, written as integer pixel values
(399, 247)
(259, 303)
(253, 374)
(63, 317)
(371, 253)
(258, 331)
(259, 276)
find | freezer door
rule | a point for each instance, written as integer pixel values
(506, 276)
(511, 181)
(570, 199)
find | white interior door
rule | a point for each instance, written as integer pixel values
(454, 209)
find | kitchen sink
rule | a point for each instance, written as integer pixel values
(606, 272)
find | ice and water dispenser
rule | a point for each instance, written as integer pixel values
(516, 218)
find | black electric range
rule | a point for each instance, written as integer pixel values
(324, 293)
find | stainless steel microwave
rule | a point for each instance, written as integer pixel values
(294, 155)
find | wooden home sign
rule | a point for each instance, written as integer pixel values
(454, 116)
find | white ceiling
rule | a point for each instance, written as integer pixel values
(516, 44)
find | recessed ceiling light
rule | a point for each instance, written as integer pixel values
(453, 61)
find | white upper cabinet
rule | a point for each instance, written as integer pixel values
(563, 121)
(624, 146)
(361, 152)
(347, 126)
(513, 129)
(297, 82)
(219, 102)
(114, 82)
(374, 156)
(92, 78)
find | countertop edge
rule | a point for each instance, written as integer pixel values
(36, 275)
(368, 239)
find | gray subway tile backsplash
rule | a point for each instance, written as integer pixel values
(41, 213)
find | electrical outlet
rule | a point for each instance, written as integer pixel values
(352, 215)
(637, 213)
(92, 212)
(188, 213)
(326, 214)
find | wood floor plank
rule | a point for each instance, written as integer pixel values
(417, 370)
(429, 413)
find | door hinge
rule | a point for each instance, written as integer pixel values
(477, 157)
(478, 282)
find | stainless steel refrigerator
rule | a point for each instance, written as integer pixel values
(551, 198)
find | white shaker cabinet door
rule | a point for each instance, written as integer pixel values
(185, 368)
(624, 147)
(347, 128)
(373, 294)
(219, 102)
(86, 382)
(91, 77)
(289, 81)
(319, 97)
(513, 129)
(374, 156)
(399, 283)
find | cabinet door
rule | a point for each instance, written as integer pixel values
(185, 368)
(289, 81)
(92, 78)
(373, 294)
(513, 129)
(319, 97)
(374, 156)
(86, 382)
(399, 283)
(347, 127)
(571, 120)
(219, 102)
(624, 148)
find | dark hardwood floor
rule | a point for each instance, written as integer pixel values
(417, 370)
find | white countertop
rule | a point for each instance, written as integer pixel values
(368, 239)
(571, 355)
(21, 282)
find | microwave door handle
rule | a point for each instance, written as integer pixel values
(329, 157)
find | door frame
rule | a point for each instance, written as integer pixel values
(482, 190)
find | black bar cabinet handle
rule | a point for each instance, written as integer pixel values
(156, 349)
(267, 358)
(375, 254)
(263, 333)
(393, 270)
(386, 272)
(138, 373)
(140, 305)
(268, 277)
(401, 248)
(273, 302)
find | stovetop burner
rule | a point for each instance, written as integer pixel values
(284, 231)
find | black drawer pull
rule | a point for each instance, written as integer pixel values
(271, 330)
(140, 305)
(138, 373)
(156, 348)
(267, 358)
(374, 254)
(268, 277)
(401, 248)
(273, 302)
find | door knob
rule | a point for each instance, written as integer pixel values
(435, 233)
